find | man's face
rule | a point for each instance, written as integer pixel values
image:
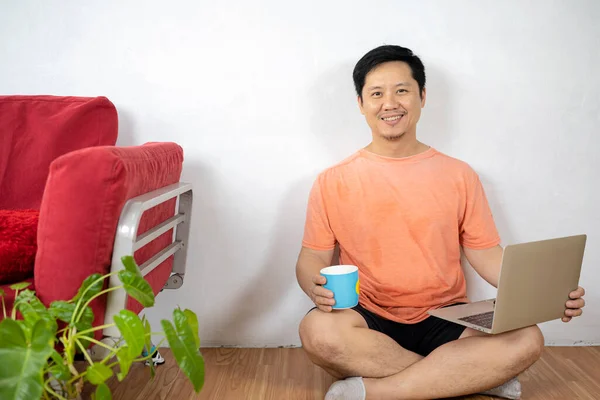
(391, 102)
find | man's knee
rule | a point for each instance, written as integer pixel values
(320, 336)
(529, 345)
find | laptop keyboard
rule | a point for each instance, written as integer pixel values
(483, 319)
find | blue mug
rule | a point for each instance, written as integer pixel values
(343, 281)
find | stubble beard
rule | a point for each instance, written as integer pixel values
(393, 138)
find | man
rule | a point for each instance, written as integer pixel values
(401, 211)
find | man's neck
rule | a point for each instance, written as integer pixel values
(405, 146)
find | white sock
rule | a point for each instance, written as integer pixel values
(347, 389)
(354, 389)
(509, 390)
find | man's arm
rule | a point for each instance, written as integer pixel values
(310, 262)
(486, 262)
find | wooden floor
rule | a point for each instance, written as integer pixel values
(563, 373)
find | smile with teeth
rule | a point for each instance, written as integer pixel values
(394, 118)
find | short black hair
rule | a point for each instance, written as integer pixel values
(387, 53)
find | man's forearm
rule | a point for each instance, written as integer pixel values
(486, 263)
(310, 262)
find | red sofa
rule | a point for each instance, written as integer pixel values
(96, 201)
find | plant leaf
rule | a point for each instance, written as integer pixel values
(130, 265)
(125, 360)
(33, 310)
(98, 373)
(87, 317)
(184, 331)
(11, 334)
(59, 369)
(23, 362)
(23, 303)
(148, 342)
(41, 337)
(92, 287)
(102, 392)
(182, 345)
(25, 295)
(20, 285)
(137, 287)
(64, 311)
(2, 292)
(25, 328)
(192, 321)
(131, 328)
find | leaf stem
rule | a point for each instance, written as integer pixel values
(75, 377)
(77, 311)
(97, 328)
(98, 295)
(3, 307)
(48, 389)
(13, 314)
(99, 343)
(111, 354)
(85, 353)
(48, 380)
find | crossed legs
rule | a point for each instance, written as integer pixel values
(341, 343)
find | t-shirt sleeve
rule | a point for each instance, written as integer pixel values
(477, 228)
(318, 234)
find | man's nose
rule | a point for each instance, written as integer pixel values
(390, 102)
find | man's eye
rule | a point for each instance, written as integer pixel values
(402, 90)
(375, 94)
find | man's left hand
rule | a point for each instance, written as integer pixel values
(575, 304)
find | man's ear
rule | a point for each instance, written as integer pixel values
(423, 97)
(360, 104)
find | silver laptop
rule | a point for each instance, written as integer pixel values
(535, 281)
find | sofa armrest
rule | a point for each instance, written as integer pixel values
(84, 198)
(127, 241)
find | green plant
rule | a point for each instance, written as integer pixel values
(32, 368)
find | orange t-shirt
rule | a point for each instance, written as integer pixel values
(402, 221)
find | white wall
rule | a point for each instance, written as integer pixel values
(513, 89)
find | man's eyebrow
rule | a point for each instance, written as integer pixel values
(398, 84)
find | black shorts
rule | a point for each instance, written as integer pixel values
(421, 338)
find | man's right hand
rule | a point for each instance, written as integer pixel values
(323, 298)
(310, 263)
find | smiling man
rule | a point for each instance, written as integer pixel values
(402, 211)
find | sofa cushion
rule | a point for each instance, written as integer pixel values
(35, 130)
(81, 206)
(18, 244)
